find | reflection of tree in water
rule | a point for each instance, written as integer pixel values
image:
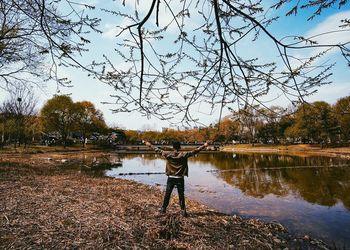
(324, 186)
(97, 164)
(251, 180)
(256, 183)
(147, 156)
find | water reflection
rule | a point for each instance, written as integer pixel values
(318, 180)
(96, 165)
(308, 194)
(321, 180)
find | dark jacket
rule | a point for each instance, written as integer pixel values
(176, 161)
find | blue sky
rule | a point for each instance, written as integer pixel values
(86, 88)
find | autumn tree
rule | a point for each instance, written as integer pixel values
(225, 131)
(202, 134)
(171, 135)
(58, 115)
(132, 136)
(342, 114)
(153, 136)
(270, 121)
(88, 119)
(314, 123)
(197, 134)
(249, 120)
(285, 122)
(34, 128)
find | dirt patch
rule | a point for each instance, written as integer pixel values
(47, 205)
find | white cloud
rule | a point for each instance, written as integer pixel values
(112, 30)
(326, 32)
(141, 6)
(89, 2)
(328, 25)
(165, 15)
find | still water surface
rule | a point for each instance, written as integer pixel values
(309, 195)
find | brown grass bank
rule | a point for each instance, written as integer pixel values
(299, 149)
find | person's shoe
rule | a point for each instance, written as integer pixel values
(184, 213)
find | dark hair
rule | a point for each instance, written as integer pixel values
(176, 145)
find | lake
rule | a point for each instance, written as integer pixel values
(309, 195)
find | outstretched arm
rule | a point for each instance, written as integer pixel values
(197, 150)
(148, 144)
(207, 143)
(158, 150)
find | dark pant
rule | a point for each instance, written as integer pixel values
(180, 185)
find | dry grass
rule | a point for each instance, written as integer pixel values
(47, 205)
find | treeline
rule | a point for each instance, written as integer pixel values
(62, 121)
(317, 122)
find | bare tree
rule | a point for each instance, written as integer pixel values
(19, 107)
(205, 66)
(39, 36)
(181, 56)
(4, 118)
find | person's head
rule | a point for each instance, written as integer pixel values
(176, 145)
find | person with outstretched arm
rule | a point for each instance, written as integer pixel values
(176, 169)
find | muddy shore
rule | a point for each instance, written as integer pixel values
(47, 203)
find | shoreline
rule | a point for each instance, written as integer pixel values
(297, 150)
(46, 204)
